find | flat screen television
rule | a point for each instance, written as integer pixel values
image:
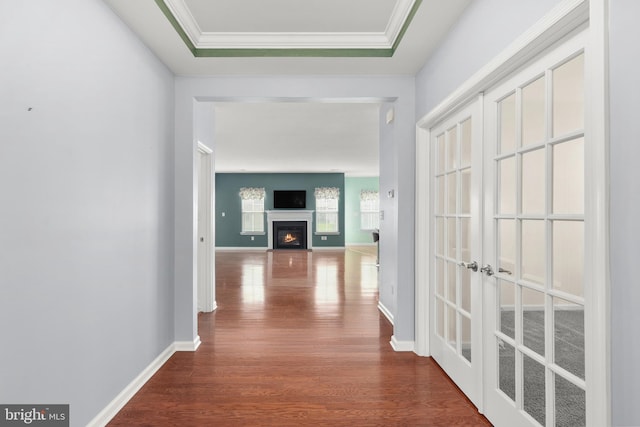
(289, 199)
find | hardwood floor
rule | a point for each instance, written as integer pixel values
(298, 340)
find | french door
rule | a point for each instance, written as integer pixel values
(456, 292)
(508, 283)
(534, 244)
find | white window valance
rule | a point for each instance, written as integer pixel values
(327, 193)
(368, 195)
(252, 193)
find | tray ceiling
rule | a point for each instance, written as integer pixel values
(222, 37)
(290, 27)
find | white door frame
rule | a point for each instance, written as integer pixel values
(567, 16)
(206, 283)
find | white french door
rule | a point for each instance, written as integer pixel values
(511, 221)
(455, 291)
(534, 244)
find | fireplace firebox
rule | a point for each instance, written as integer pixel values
(289, 235)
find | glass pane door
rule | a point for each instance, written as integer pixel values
(535, 223)
(456, 290)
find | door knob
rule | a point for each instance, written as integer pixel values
(470, 265)
(487, 269)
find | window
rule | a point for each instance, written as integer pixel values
(369, 210)
(327, 210)
(252, 210)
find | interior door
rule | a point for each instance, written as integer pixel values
(456, 295)
(202, 237)
(206, 254)
(534, 227)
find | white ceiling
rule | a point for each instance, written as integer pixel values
(247, 133)
(300, 16)
(288, 137)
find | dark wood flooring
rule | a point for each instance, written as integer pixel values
(298, 340)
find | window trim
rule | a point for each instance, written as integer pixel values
(253, 194)
(368, 195)
(327, 193)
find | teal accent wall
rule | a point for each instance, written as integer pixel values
(353, 186)
(228, 186)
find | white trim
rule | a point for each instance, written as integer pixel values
(401, 345)
(596, 257)
(264, 249)
(292, 215)
(290, 40)
(422, 242)
(187, 345)
(387, 313)
(204, 149)
(293, 40)
(111, 410)
(185, 19)
(241, 248)
(397, 20)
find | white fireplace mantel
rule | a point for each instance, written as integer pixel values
(290, 215)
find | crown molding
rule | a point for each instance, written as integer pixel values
(346, 44)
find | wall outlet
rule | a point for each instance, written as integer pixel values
(253, 237)
(224, 213)
(323, 238)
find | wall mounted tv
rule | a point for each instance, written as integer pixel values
(289, 199)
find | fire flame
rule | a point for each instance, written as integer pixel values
(289, 238)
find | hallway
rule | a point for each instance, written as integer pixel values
(298, 340)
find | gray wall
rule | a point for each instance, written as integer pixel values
(86, 216)
(195, 94)
(625, 211)
(468, 47)
(388, 243)
(485, 29)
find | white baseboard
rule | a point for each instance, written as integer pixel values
(402, 345)
(241, 249)
(264, 249)
(112, 409)
(187, 345)
(214, 306)
(386, 312)
(396, 344)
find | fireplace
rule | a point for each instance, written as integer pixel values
(290, 216)
(289, 235)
